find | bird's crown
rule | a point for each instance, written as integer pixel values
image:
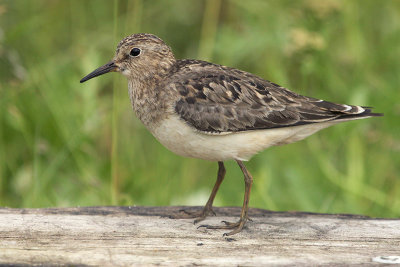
(139, 38)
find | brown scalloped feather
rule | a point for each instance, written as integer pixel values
(216, 98)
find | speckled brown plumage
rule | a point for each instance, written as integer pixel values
(208, 111)
(215, 98)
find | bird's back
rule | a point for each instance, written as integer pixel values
(218, 99)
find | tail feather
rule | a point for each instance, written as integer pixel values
(365, 114)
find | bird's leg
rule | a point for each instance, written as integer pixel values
(238, 226)
(207, 210)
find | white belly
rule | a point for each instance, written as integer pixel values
(184, 140)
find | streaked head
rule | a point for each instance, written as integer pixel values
(138, 56)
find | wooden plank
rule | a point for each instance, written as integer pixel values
(115, 236)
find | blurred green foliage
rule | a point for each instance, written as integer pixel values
(66, 144)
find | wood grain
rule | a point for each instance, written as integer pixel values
(122, 236)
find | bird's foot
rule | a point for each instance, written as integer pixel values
(197, 215)
(236, 226)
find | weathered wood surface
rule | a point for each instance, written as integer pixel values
(121, 236)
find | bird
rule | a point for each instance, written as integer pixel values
(217, 113)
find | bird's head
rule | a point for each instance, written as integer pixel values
(138, 56)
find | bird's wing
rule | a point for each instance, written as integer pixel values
(217, 99)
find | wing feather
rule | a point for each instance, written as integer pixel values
(218, 99)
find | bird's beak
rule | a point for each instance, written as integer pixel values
(109, 67)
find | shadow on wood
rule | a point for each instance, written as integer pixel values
(145, 235)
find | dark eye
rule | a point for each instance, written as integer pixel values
(134, 52)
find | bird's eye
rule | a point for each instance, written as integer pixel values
(134, 52)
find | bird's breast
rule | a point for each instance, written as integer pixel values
(146, 103)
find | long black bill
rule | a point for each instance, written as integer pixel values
(110, 66)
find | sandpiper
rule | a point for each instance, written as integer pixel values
(208, 111)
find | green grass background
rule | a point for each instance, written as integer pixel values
(68, 144)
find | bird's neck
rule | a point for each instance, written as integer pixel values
(145, 95)
(147, 92)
